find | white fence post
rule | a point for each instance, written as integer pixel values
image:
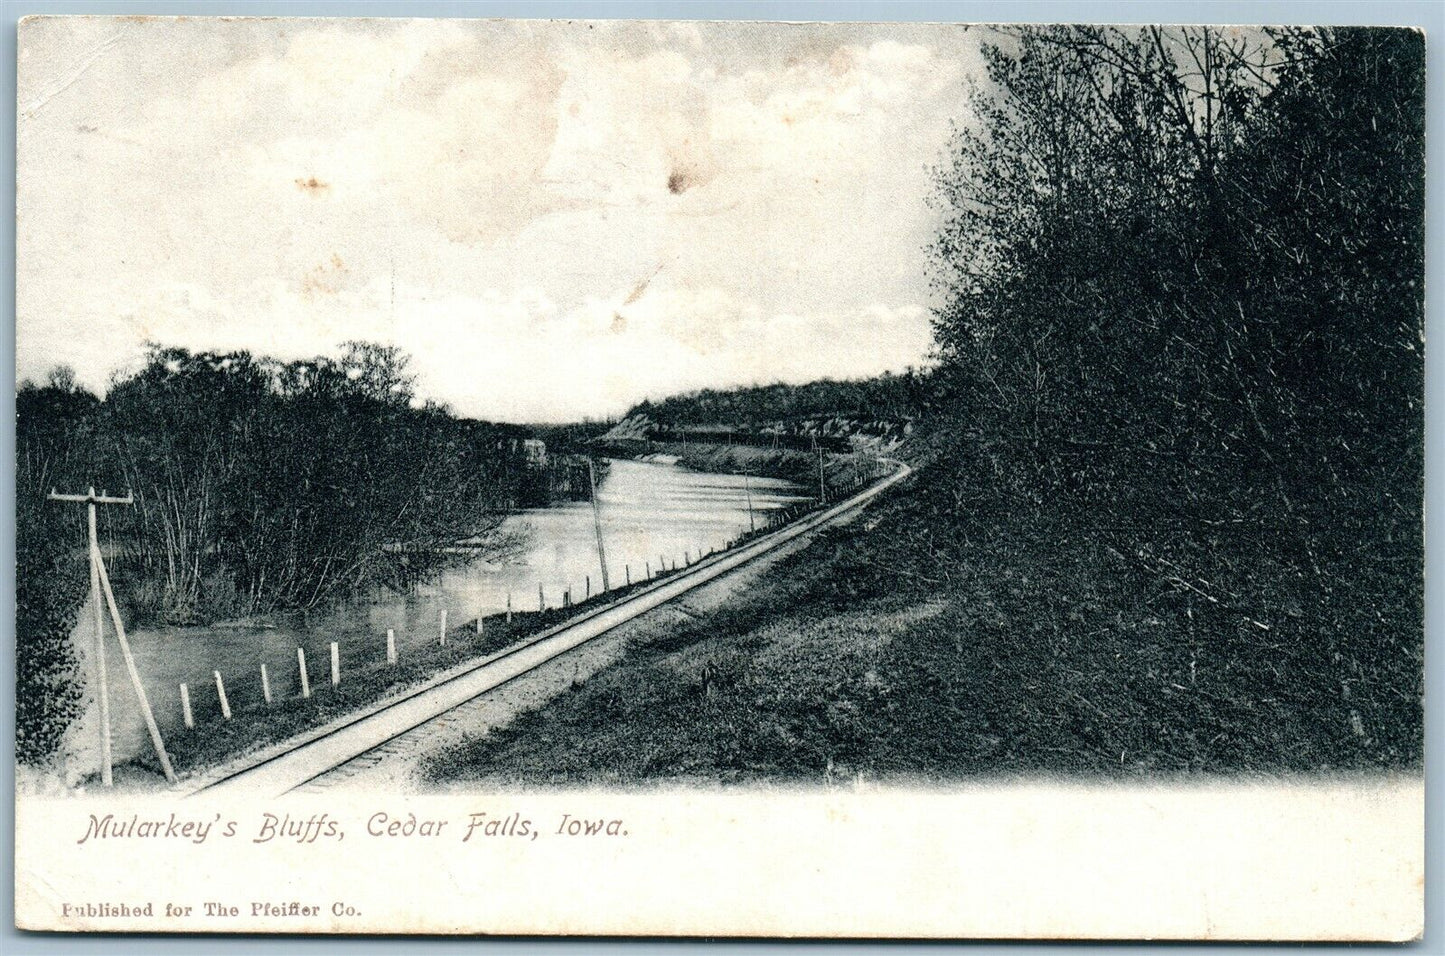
(221, 692)
(186, 707)
(301, 665)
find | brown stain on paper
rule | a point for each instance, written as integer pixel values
(314, 187)
(324, 279)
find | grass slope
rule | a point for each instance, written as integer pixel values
(930, 641)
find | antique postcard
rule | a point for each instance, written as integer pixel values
(719, 478)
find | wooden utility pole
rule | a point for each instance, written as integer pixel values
(748, 490)
(597, 524)
(103, 685)
(822, 486)
(101, 592)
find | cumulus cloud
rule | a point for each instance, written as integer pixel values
(557, 219)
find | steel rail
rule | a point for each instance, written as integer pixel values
(334, 745)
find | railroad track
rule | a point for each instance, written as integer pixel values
(325, 749)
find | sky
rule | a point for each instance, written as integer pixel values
(555, 219)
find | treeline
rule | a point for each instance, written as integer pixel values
(1182, 274)
(890, 397)
(262, 485)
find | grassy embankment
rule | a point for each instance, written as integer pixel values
(942, 636)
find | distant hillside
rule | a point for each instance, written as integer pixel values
(892, 398)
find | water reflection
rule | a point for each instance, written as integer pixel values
(649, 513)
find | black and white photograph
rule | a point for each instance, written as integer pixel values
(493, 455)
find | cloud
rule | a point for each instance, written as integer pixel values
(491, 196)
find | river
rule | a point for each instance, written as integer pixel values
(649, 512)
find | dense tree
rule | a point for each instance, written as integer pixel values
(1181, 272)
(262, 485)
(55, 426)
(1193, 244)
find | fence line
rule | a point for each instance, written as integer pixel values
(776, 518)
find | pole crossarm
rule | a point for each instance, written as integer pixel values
(93, 498)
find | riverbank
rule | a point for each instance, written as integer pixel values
(840, 470)
(937, 639)
(255, 723)
(652, 515)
